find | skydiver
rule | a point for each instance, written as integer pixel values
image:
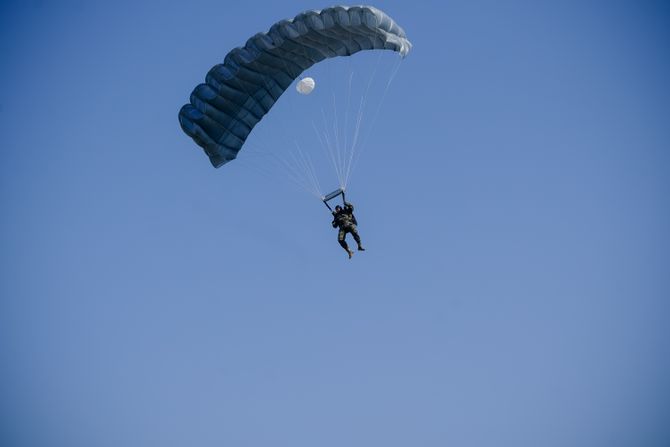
(344, 219)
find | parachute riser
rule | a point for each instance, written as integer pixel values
(332, 195)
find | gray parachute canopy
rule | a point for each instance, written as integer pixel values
(238, 93)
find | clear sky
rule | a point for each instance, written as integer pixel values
(512, 195)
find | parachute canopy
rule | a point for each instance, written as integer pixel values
(239, 92)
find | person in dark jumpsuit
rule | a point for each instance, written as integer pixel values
(344, 219)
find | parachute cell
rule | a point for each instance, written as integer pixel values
(237, 94)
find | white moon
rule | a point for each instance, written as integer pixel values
(305, 86)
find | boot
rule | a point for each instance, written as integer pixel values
(360, 248)
(351, 252)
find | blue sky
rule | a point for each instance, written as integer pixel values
(512, 195)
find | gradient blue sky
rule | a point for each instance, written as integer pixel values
(513, 197)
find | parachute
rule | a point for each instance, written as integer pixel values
(237, 94)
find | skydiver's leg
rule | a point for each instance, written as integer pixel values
(357, 238)
(340, 238)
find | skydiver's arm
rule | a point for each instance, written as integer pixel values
(348, 206)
